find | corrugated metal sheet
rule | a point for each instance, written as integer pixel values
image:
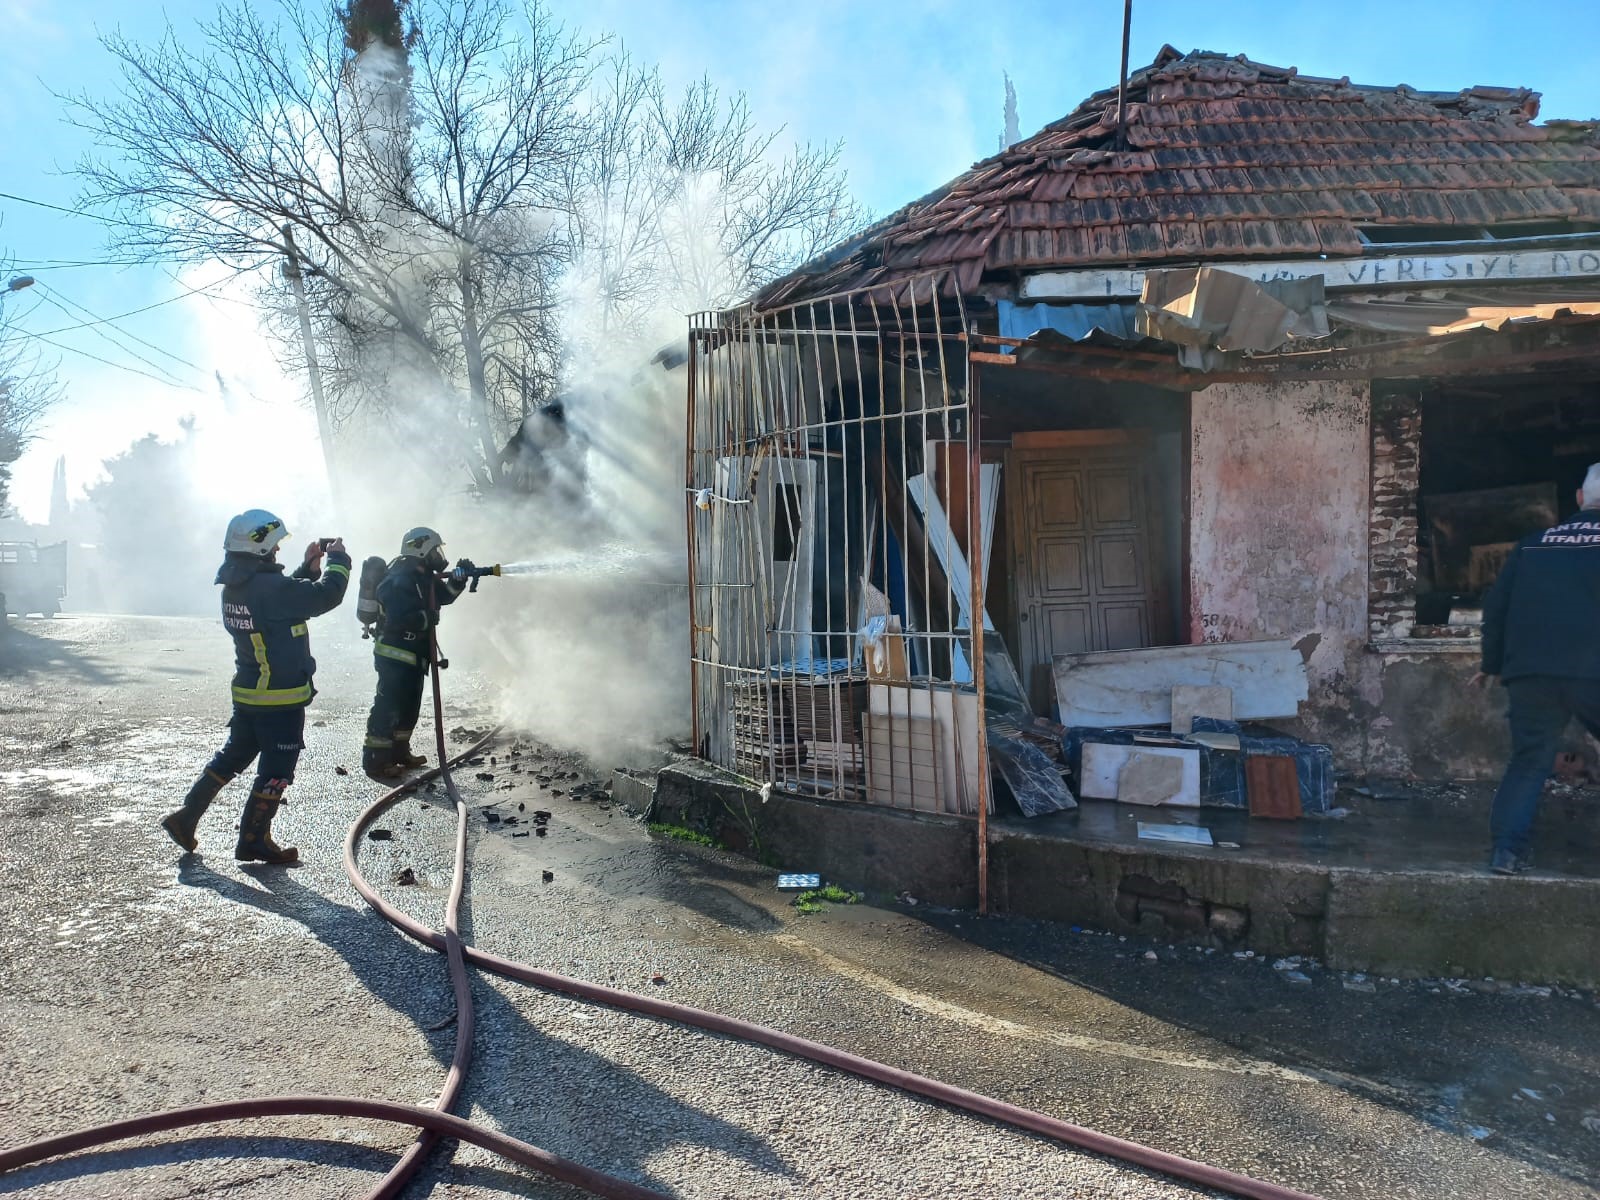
(1229, 158)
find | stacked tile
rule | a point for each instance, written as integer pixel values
(827, 719)
(764, 741)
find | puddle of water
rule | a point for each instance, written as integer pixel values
(61, 780)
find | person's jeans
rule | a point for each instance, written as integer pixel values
(1541, 708)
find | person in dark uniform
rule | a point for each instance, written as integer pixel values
(1541, 638)
(413, 589)
(265, 612)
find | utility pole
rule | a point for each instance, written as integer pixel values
(292, 272)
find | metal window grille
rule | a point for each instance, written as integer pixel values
(834, 519)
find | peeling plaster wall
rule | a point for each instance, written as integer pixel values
(1280, 496)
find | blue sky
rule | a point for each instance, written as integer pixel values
(914, 89)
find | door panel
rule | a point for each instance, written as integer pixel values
(1124, 627)
(1082, 540)
(1117, 558)
(1061, 567)
(1113, 496)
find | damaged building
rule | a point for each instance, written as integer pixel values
(1231, 381)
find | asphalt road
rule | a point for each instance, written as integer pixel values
(136, 980)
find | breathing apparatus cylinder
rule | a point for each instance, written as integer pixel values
(367, 610)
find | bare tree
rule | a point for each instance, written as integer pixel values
(416, 178)
(454, 173)
(684, 204)
(28, 389)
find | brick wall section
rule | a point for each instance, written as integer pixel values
(1392, 534)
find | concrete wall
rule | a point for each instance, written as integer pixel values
(1280, 491)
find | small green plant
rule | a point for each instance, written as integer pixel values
(812, 901)
(679, 833)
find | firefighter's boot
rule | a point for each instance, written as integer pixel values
(402, 753)
(180, 825)
(378, 763)
(255, 832)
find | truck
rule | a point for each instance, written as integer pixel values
(33, 578)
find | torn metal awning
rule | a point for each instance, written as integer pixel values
(1437, 313)
(1075, 322)
(1201, 309)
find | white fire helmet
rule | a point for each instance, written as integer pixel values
(426, 544)
(254, 531)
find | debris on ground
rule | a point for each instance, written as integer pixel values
(380, 835)
(549, 876)
(541, 830)
(405, 877)
(1297, 978)
(485, 776)
(341, 771)
(519, 833)
(1359, 983)
(658, 978)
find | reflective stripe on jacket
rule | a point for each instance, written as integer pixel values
(265, 612)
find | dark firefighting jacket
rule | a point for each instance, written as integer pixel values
(1542, 617)
(409, 599)
(266, 613)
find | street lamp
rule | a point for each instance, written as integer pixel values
(18, 282)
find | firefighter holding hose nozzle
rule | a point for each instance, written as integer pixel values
(265, 612)
(409, 593)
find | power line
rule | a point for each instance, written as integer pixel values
(169, 382)
(71, 212)
(56, 298)
(68, 264)
(200, 289)
(168, 377)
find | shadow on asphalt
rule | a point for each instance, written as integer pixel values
(526, 1099)
(1455, 1062)
(24, 654)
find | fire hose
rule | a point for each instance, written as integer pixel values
(437, 1122)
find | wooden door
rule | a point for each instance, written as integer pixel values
(1083, 541)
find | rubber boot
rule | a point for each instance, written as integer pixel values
(378, 763)
(403, 756)
(180, 825)
(255, 833)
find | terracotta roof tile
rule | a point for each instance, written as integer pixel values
(1227, 158)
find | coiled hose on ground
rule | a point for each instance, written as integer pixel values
(437, 1122)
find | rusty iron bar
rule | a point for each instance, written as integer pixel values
(1122, 77)
(690, 495)
(977, 566)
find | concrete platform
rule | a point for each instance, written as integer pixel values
(1398, 887)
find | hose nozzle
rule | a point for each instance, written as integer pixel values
(476, 573)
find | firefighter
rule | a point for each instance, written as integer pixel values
(265, 612)
(413, 589)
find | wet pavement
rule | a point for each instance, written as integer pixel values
(1393, 828)
(136, 980)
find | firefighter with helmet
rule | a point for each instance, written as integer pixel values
(413, 588)
(265, 612)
